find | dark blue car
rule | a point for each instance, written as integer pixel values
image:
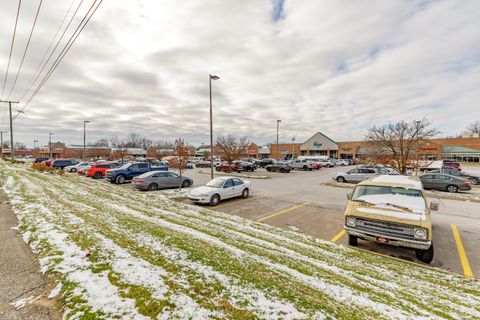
(130, 170)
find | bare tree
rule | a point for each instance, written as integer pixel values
(397, 143)
(100, 143)
(119, 150)
(20, 145)
(231, 148)
(181, 157)
(474, 128)
(134, 140)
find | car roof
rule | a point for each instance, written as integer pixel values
(409, 182)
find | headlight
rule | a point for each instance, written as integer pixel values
(420, 233)
(351, 221)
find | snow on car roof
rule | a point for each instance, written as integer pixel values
(399, 180)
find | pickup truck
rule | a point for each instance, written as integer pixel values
(302, 164)
(130, 170)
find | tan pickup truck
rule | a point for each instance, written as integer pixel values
(391, 210)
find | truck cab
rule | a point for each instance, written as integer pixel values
(391, 210)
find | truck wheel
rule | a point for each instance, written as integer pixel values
(120, 180)
(425, 256)
(152, 187)
(452, 188)
(185, 184)
(310, 169)
(217, 169)
(245, 193)
(97, 175)
(268, 169)
(341, 179)
(305, 168)
(352, 240)
(282, 170)
(214, 200)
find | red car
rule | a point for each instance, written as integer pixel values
(98, 170)
(226, 168)
(48, 162)
(317, 165)
(452, 165)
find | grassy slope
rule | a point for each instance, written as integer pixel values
(120, 253)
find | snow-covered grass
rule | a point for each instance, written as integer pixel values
(122, 254)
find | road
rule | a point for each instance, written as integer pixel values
(300, 201)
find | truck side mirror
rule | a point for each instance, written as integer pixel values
(349, 196)
(434, 205)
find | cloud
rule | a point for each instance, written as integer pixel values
(331, 66)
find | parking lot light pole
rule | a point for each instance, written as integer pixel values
(293, 147)
(50, 144)
(417, 125)
(84, 138)
(210, 78)
(278, 125)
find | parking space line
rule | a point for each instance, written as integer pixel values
(239, 201)
(461, 252)
(338, 235)
(283, 211)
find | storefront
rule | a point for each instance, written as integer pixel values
(319, 145)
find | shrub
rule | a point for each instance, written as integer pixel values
(43, 168)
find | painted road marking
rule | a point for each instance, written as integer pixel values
(461, 252)
(281, 212)
(239, 201)
(338, 235)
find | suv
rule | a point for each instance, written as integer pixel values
(355, 175)
(229, 168)
(391, 210)
(265, 162)
(246, 165)
(302, 164)
(130, 170)
(280, 166)
(62, 163)
(98, 170)
(327, 163)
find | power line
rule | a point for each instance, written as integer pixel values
(66, 48)
(38, 71)
(11, 47)
(26, 48)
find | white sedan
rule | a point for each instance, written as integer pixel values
(219, 189)
(76, 167)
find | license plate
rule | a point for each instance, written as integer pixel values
(381, 240)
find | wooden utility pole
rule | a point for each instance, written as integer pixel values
(11, 125)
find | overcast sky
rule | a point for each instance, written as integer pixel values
(332, 66)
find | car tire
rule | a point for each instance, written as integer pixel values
(425, 256)
(120, 179)
(97, 175)
(310, 169)
(217, 169)
(352, 240)
(341, 179)
(305, 168)
(473, 181)
(269, 169)
(282, 170)
(245, 193)
(452, 189)
(186, 184)
(73, 170)
(214, 200)
(152, 187)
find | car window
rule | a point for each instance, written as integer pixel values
(426, 177)
(353, 171)
(443, 177)
(143, 165)
(228, 183)
(134, 167)
(160, 175)
(102, 166)
(171, 175)
(237, 182)
(370, 171)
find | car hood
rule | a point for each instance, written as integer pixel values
(381, 212)
(203, 190)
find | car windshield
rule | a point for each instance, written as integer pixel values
(216, 183)
(407, 199)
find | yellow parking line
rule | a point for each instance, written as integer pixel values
(338, 235)
(239, 201)
(461, 252)
(284, 211)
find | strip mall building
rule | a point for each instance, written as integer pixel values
(458, 149)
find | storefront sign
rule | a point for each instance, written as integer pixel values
(346, 149)
(317, 145)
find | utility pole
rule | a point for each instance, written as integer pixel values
(84, 139)
(210, 78)
(278, 124)
(11, 124)
(50, 144)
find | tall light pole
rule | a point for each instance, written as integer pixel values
(417, 125)
(84, 138)
(50, 144)
(278, 125)
(210, 78)
(293, 148)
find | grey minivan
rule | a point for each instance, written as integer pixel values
(154, 180)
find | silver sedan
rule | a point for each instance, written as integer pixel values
(154, 180)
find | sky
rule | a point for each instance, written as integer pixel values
(338, 67)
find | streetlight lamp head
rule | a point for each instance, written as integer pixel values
(86, 121)
(214, 77)
(279, 120)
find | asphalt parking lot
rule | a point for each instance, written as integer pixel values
(301, 202)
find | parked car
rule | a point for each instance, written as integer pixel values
(316, 164)
(265, 162)
(219, 189)
(154, 180)
(391, 210)
(327, 163)
(444, 182)
(40, 159)
(302, 164)
(279, 166)
(48, 162)
(247, 166)
(98, 170)
(340, 162)
(450, 164)
(62, 163)
(460, 174)
(355, 175)
(75, 167)
(203, 164)
(130, 170)
(225, 167)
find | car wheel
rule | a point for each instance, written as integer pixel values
(473, 181)
(282, 170)
(214, 200)
(73, 170)
(97, 175)
(452, 188)
(185, 184)
(120, 180)
(269, 169)
(341, 179)
(217, 169)
(310, 169)
(152, 187)
(425, 256)
(305, 168)
(352, 240)
(245, 193)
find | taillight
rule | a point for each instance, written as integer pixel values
(138, 180)
(467, 182)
